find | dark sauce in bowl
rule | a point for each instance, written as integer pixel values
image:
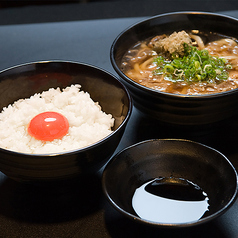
(170, 200)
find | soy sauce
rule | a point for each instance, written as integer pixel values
(170, 200)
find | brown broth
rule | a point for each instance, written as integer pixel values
(138, 65)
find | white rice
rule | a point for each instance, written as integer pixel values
(87, 122)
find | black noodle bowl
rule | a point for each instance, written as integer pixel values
(177, 109)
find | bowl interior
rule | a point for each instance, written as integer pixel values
(25, 80)
(167, 24)
(142, 162)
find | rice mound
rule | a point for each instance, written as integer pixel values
(87, 122)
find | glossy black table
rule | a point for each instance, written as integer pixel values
(78, 208)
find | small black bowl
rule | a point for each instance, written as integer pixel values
(25, 80)
(171, 108)
(173, 159)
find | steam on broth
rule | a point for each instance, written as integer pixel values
(190, 63)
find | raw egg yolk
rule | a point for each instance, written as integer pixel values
(48, 126)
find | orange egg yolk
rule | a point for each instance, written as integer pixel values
(48, 126)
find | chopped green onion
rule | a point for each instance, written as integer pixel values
(168, 69)
(228, 66)
(196, 65)
(198, 77)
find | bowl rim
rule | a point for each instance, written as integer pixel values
(171, 225)
(154, 91)
(46, 155)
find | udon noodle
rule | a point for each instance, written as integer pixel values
(139, 64)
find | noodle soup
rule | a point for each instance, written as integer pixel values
(190, 63)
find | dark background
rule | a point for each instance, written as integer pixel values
(20, 12)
